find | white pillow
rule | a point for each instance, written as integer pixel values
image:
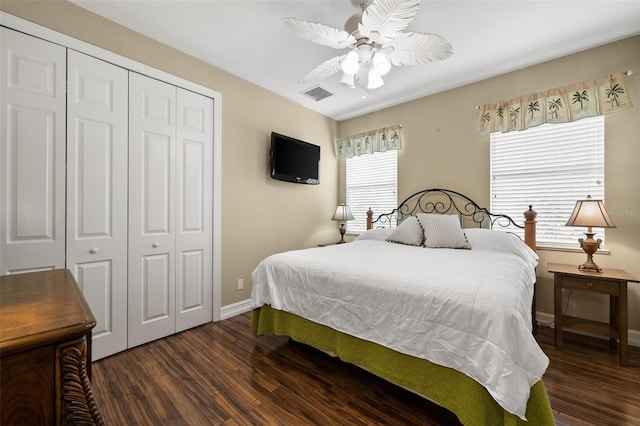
(442, 231)
(409, 232)
(500, 241)
(379, 234)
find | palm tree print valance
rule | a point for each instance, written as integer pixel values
(560, 105)
(380, 140)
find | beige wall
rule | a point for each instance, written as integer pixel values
(442, 149)
(260, 216)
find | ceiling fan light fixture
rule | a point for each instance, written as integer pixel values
(365, 51)
(348, 80)
(376, 39)
(375, 80)
(350, 64)
(381, 64)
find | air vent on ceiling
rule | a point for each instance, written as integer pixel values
(317, 93)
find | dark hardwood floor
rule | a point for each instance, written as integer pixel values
(220, 374)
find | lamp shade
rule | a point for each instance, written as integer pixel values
(350, 64)
(348, 80)
(343, 213)
(590, 213)
(381, 64)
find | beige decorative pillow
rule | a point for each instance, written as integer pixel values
(442, 231)
(408, 232)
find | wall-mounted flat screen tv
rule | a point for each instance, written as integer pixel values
(293, 160)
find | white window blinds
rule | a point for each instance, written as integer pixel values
(371, 183)
(551, 167)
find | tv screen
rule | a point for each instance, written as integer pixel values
(293, 160)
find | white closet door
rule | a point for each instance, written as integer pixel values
(194, 234)
(97, 136)
(32, 154)
(152, 135)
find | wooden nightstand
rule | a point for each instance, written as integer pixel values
(610, 281)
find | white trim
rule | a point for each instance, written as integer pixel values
(234, 309)
(217, 207)
(634, 338)
(571, 249)
(544, 320)
(28, 27)
(548, 320)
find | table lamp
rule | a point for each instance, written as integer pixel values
(590, 213)
(342, 214)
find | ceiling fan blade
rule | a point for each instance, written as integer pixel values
(320, 33)
(417, 48)
(383, 20)
(324, 70)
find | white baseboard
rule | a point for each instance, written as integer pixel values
(548, 320)
(544, 319)
(234, 309)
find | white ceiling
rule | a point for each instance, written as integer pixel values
(250, 40)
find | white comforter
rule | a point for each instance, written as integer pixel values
(465, 309)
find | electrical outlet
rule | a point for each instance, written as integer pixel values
(240, 283)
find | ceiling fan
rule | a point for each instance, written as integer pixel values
(376, 39)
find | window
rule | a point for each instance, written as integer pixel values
(371, 183)
(551, 167)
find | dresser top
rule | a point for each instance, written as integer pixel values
(41, 307)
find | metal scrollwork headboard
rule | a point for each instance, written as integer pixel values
(444, 201)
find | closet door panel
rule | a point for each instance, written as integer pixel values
(156, 287)
(95, 279)
(194, 239)
(152, 108)
(97, 144)
(157, 173)
(32, 154)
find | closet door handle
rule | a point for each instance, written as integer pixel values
(156, 245)
(93, 250)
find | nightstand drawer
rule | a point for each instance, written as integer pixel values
(591, 284)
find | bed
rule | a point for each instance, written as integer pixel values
(432, 297)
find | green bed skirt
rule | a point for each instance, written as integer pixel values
(455, 391)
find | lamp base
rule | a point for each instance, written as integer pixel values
(342, 231)
(590, 266)
(590, 246)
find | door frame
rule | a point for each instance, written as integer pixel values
(31, 28)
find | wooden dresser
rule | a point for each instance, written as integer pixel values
(45, 342)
